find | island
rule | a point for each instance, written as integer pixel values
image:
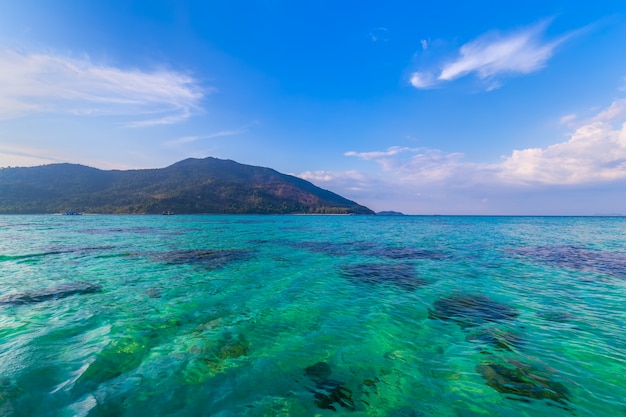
(389, 213)
(207, 185)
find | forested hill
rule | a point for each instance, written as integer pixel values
(207, 185)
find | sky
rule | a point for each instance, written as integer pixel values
(478, 108)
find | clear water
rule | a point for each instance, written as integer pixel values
(312, 316)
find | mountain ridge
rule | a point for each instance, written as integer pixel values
(208, 185)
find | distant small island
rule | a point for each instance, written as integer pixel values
(208, 185)
(389, 213)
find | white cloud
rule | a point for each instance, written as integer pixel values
(39, 83)
(568, 118)
(394, 150)
(423, 80)
(423, 166)
(585, 174)
(12, 155)
(495, 54)
(329, 176)
(23, 156)
(351, 184)
(595, 153)
(193, 138)
(615, 111)
(424, 44)
(387, 159)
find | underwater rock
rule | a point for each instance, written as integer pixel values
(496, 338)
(153, 292)
(9, 394)
(116, 358)
(406, 412)
(209, 259)
(576, 257)
(556, 316)
(320, 370)
(523, 380)
(53, 293)
(400, 275)
(370, 249)
(212, 358)
(328, 393)
(233, 349)
(130, 344)
(409, 253)
(335, 248)
(471, 310)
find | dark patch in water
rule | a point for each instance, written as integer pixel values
(320, 370)
(523, 380)
(9, 396)
(495, 338)
(232, 347)
(400, 275)
(153, 292)
(406, 412)
(53, 252)
(53, 293)
(576, 257)
(137, 230)
(32, 255)
(258, 242)
(370, 249)
(329, 393)
(209, 259)
(336, 249)
(471, 310)
(409, 253)
(252, 221)
(556, 316)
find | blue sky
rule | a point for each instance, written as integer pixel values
(476, 107)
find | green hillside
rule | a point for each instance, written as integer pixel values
(207, 185)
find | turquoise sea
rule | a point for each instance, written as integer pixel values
(312, 316)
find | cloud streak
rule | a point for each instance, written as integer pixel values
(493, 55)
(194, 138)
(46, 83)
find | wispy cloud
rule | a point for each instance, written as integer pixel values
(194, 138)
(40, 83)
(23, 156)
(567, 119)
(422, 165)
(13, 155)
(378, 155)
(494, 54)
(387, 159)
(616, 111)
(324, 176)
(353, 184)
